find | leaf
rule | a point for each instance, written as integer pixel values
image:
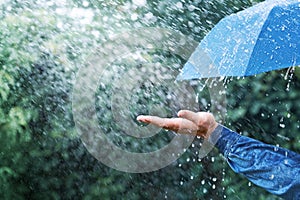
(16, 114)
(5, 80)
(297, 71)
(6, 172)
(2, 117)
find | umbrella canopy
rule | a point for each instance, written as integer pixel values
(261, 38)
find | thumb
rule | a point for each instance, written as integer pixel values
(190, 115)
(203, 120)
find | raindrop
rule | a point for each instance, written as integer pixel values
(139, 3)
(286, 161)
(85, 3)
(283, 137)
(179, 5)
(149, 16)
(191, 7)
(276, 147)
(271, 177)
(281, 119)
(191, 24)
(212, 159)
(288, 87)
(282, 125)
(134, 17)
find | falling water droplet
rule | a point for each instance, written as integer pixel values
(282, 125)
(276, 148)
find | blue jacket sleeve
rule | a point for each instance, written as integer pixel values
(273, 168)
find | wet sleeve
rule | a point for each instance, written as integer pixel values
(273, 168)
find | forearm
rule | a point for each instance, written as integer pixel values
(273, 168)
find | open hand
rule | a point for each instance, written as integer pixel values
(188, 122)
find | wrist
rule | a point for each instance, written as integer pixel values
(211, 129)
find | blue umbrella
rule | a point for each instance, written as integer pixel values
(261, 38)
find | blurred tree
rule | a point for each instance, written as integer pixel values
(40, 157)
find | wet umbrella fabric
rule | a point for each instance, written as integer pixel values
(261, 38)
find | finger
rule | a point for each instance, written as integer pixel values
(166, 123)
(179, 125)
(204, 121)
(158, 121)
(144, 118)
(190, 115)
